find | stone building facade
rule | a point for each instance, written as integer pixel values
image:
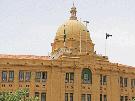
(73, 71)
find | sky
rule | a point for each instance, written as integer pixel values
(28, 27)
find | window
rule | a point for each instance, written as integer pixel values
(121, 98)
(100, 97)
(43, 96)
(86, 76)
(66, 96)
(103, 79)
(121, 82)
(38, 76)
(41, 76)
(4, 75)
(125, 82)
(21, 75)
(27, 94)
(27, 76)
(37, 94)
(126, 98)
(11, 76)
(44, 76)
(83, 97)
(71, 96)
(105, 98)
(88, 97)
(69, 77)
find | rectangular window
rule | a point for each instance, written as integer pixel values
(105, 98)
(101, 79)
(66, 96)
(38, 76)
(4, 75)
(121, 98)
(27, 76)
(21, 75)
(43, 96)
(71, 96)
(88, 97)
(71, 77)
(11, 76)
(121, 82)
(37, 94)
(104, 80)
(44, 76)
(83, 97)
(126, 98)
(125, 82)
(100, 97)
(67, 78)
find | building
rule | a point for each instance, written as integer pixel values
(73, 71)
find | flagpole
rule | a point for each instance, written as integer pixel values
(80, 40)
(87, 22)
(107, 36)
(105, 46)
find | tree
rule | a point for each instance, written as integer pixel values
(19, 95)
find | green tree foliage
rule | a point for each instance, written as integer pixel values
(19, 95)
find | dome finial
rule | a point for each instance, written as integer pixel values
(73, 12)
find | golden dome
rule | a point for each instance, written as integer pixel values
(74, 35)
(74, 29)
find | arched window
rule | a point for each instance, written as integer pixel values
(86, 76)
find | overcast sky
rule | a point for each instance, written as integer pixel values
(29, 26)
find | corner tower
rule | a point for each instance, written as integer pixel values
(73, 35)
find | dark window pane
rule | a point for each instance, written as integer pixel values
(38, 76)
(71, 96)
(83, 97)
(37, 94)
(121, 98)
(125, 82)
(11, 75)
(66, 96)
(101, 79)
(100, 97)
(105, 98)
(126, 98)
(104, 80)
(71, 77)
(43, 96)
(4, 76)
(21, 75)
(27, 76)
(88, 97)
(67, 77)
(121, 82)
(44, 76)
